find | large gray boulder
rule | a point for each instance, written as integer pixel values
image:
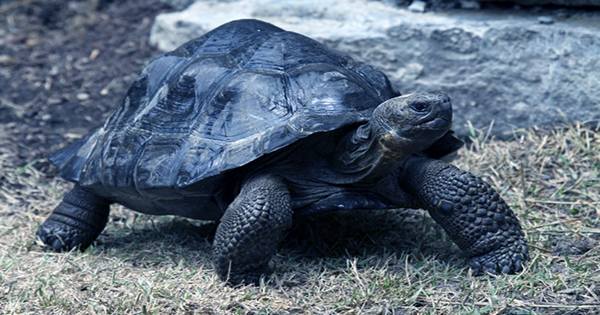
(505, 70)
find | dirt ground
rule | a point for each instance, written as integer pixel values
(63, 67)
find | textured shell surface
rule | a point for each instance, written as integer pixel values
(242, 90)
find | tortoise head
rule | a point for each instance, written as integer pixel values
(411, 123)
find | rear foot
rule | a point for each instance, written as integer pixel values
(76, 222)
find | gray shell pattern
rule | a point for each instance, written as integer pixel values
(218, 102)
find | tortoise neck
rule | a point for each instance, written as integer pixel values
(361, 155)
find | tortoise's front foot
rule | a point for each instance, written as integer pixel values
(508, 258)
(472, 213)
(251, 229)
(76, 222)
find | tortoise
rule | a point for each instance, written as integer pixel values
(252, 126)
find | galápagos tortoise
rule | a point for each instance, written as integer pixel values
(253, 125)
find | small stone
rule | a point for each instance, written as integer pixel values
(470, 5)
(72, 135)
(54, 71)
(417, 6)
(94, 54)
(6, 59)
(32, 41)
(83, 96)
(54, 101)
(521, 107)
(547, 20)
(410, 72)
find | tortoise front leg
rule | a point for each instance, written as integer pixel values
(251, 229)
(472, 213)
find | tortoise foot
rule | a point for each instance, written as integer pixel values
(503, 260)
(76, 222)
(248, 277)
(251, 229)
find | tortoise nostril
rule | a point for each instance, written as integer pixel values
(420, 106)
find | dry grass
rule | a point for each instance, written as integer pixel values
(394, 263)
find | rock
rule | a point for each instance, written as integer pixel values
(6, 60)
(417, 6)
(545, 20)
(83, 96)
(508, 69)
(568, 247)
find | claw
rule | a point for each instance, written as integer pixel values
(518, 266)
(56, 238)
(504, 260)
(57, 244)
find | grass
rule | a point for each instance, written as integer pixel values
(397, 262)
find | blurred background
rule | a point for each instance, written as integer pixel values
(524, 76)
(507, 64)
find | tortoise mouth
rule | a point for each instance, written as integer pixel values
(435, 123)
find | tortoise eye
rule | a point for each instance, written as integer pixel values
(420, 106)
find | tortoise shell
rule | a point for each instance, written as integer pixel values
(221, 101)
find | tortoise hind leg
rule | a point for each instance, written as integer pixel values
(472, 213)
(76, 222)
(251, 229)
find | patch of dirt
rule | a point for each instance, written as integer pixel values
(64, 65)
(568, 246)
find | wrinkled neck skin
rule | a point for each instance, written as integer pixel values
(363, 155)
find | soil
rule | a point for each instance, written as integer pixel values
(565, 246)
(64, 65)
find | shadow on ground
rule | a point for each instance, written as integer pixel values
(325, 241)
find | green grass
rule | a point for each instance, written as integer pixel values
(365, 263)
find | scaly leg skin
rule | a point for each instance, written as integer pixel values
(76, 222)
(472, 213)
(251, 229)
